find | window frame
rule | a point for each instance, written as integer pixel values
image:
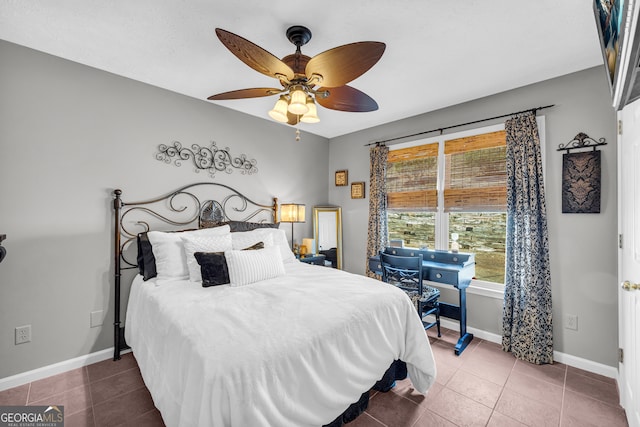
(479, 287)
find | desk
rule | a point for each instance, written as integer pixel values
(450, 268)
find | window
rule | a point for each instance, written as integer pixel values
(452, 185)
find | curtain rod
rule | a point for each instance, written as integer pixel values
(533, 110)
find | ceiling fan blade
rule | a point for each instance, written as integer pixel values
(347, 98)
(342, 64)
(253, 55)
(256, 92)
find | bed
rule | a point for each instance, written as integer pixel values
(284, 343)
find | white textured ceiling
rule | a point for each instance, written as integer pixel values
(439, 53)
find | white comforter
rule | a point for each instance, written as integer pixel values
(292, 351)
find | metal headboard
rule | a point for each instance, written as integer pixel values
(186, 207)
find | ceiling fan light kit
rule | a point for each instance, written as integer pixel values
(304, 80)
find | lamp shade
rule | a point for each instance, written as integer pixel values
(292, 212)
(298, 103)
(310, 116)
(279, 112)
(310, 245)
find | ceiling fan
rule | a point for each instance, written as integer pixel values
(304, 80)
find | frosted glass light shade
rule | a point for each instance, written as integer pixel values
(298, 103)
(279, 112)
(310, 116)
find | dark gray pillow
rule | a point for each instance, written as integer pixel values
(146, 260)
(239, 225)
(213, 266)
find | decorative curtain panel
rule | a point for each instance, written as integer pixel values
(527, 317)
(377, 232)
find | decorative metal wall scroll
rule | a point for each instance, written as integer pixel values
(581, 175)
(211, 159)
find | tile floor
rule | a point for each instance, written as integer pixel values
(482, 387)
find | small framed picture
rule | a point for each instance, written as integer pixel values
(357, 190)
(342, 178)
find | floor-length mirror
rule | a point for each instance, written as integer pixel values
(327, 233)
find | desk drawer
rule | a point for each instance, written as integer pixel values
(442, 276)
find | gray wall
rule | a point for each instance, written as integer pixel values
(583, 246)
(69, 135)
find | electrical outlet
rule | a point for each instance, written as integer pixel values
(23, 334)
(96, 318)
(571, 322)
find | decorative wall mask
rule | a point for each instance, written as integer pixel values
(211, 159)
(581, 175)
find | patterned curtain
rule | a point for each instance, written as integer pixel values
(377, 234)
(526, 317)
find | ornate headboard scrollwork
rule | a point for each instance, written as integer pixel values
(186, 207)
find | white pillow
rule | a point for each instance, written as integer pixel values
(202, 243)
(279, 239)
(168, 250)
(247, 267)
(244, 239)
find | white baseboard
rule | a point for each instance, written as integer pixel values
(567, 359)
(56, 368)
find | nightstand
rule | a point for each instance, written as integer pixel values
(314, 259)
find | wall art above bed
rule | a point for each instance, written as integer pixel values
(211, 159)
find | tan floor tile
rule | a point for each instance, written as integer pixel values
(365, 420)
(444, 372)
(553, 373)
(500, 420)
(431, 419)
(57, 384)
(594, 388)
(405, 389)
(150, 419)
(578, 408)
(534, 388)
(459, 409)
(106, 368)
(115, 385)
(394, 410)
(123, 408)
(493, 371)
(14, 396)
(83, 418)
(481, 390)
(590, 374)
(74, 400)
(526, 410)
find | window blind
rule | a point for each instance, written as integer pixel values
(476, 173)
(412, 175)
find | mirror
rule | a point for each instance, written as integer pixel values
(327, 232)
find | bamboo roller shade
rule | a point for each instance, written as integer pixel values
(476, 142)
(413, 153)
(484, 198)
(421, 200)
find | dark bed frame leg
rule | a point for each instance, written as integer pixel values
(117, 204)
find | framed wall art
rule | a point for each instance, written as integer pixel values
(357, 190)
(342, 178)
(581, 175)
